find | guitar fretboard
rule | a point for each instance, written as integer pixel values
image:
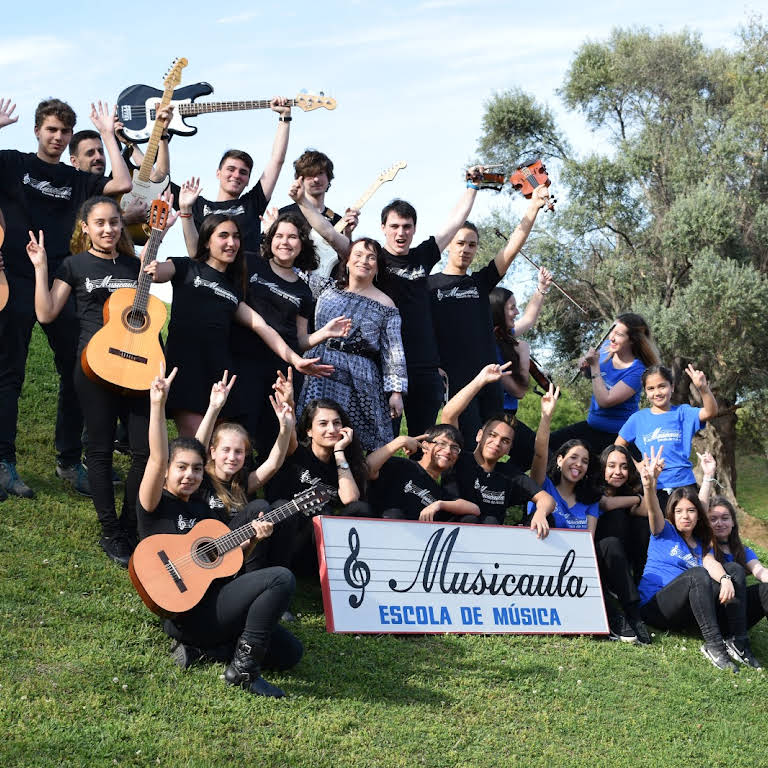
(225, 106)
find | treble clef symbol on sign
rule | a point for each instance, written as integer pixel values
(356, 572)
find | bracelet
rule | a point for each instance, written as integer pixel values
(340, 450)
(185, 215)
(727, 577)
(470, 185)
(284, 119)
(706, 479)
(165, 137)
(543, 293)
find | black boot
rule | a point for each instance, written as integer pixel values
(245, 670)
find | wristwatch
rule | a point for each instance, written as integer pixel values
(726, 576)
(345, 465)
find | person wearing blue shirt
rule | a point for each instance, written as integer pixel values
(615, 372)
(669, 426)
(683, 581)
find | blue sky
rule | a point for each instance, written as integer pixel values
(410, 78)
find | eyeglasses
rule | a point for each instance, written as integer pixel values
(441, 446)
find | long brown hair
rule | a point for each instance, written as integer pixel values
(702, 531)
(734, 537)
(505, 339)
(80, 241)
(235, 497)
(640, 339)
(237, 270)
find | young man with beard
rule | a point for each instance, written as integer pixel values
(38, 192)
(476, 476)
(412, 490)
(461, 312)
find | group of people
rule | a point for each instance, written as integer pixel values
(310, 345)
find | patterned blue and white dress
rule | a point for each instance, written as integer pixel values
(369, 363)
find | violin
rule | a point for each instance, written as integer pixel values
(486, 178)
(542, 378)
(527, 177)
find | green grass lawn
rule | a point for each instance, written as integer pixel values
(86, 679)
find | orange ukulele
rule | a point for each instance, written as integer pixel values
(126, 353)
(3, 278)
(172, 571)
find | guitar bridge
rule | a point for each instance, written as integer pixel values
(125, 113)
(128, 355)
(171, 568)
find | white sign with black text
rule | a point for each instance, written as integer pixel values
(399, 577)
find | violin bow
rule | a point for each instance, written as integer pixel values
(599, 344)
(534, 264)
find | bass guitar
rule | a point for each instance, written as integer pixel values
(126, 354)
(172, 571)
(137, 108)
(4, 293)
(144, 190)
(382, 178)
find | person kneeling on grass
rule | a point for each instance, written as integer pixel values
(245, 608)
(476, 475)
(411, 490)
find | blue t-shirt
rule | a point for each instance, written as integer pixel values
(612, 419)
(668, 556)
(749, 555)
(565, 516)
(674, 430)
(510, 401)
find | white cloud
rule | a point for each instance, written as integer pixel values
(38, 50)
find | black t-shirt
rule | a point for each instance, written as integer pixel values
(93, 280)
(207, 494)
(461, 315)
(492, 491)
(36, 195)
(407, 287)
(300, 471)
(247, 208)
(295, 208)
(173, 515)
(404, 484)
(279, 301)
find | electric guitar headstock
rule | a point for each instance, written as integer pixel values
(310, 101)
(173, 77)
(392, 171)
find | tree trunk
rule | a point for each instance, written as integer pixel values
(719, 438)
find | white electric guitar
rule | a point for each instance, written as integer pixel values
(383, 177)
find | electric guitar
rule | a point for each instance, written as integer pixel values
(172, 571)
(383, 177)
(136, 108)
(126, 354)
(3, 278)
(145, 190)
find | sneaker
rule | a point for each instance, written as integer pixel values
(76, 476)
(185, 655)
(641, 630)
(718, 655)
(117, 548)
(739, 650)
(11, 483)
(620, 629)
(288, 617)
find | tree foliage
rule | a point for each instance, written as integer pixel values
(668, 215)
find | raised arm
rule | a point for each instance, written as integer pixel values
(709, 404)
(266, 471)
(708, 466)
(279, 147)
(650, 469)
(338, 241)
(517, 239)
(48, 303)
(151, 488)
(461, 400)
(219, 394)
(459, 214)
(189, 192)
(7, 108)
(162, 169)
(541, 446)
(376, 459)
(535, 303)
(103, 120)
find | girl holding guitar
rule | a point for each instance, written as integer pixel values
(245, 608)
(106, 263)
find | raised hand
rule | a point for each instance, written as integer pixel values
(549, 401)
(494, 372)
(337, 327)
(698, 379)
(280, 105)
(103, 118)
(351, 219)
(545, 280)
(6, 113)
(412, 445)
(220, 391)
(269, 218)
(284, 412)
(650, 468)
(283, 387)
(161, 385)
(296, 190)
(541, 195)
(590, 358)
(345, 439)
(708, 463)
(36, 250)
(164, 114)
(188, 193)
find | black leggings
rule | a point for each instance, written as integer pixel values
(692, 599)
(596, 438)
(102, 407)
(249, 605)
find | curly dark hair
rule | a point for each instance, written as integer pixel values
(307, 259)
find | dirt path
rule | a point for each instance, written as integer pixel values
(753, 528)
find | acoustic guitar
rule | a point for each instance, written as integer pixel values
(144, 190)
(137, 108)
(172, 571)
(383, 177)
(3, 279)
(126, 354)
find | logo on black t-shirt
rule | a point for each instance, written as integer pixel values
(489, 496)
(184, 524)
(235, 210)
(276, 289)
(47, 189)
(216, 288)
(108, 283)
(408, 273)
(307, 479)
(458, 293)
(426, 497)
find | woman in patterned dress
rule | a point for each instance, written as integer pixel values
(369, 376)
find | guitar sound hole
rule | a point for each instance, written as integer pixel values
(206, 553)
(135, 319)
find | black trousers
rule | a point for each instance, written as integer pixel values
(423, 401)
(757, 603)
(486, 403)
(523, 446)
(16, 323)
(633, 533)
(249, 605)
(595, 438)
(102, 407)
(692, 600)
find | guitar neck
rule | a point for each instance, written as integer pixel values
(145, 279)
(361, 201)
(225, 106)
(150, 154)
(245, 532)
